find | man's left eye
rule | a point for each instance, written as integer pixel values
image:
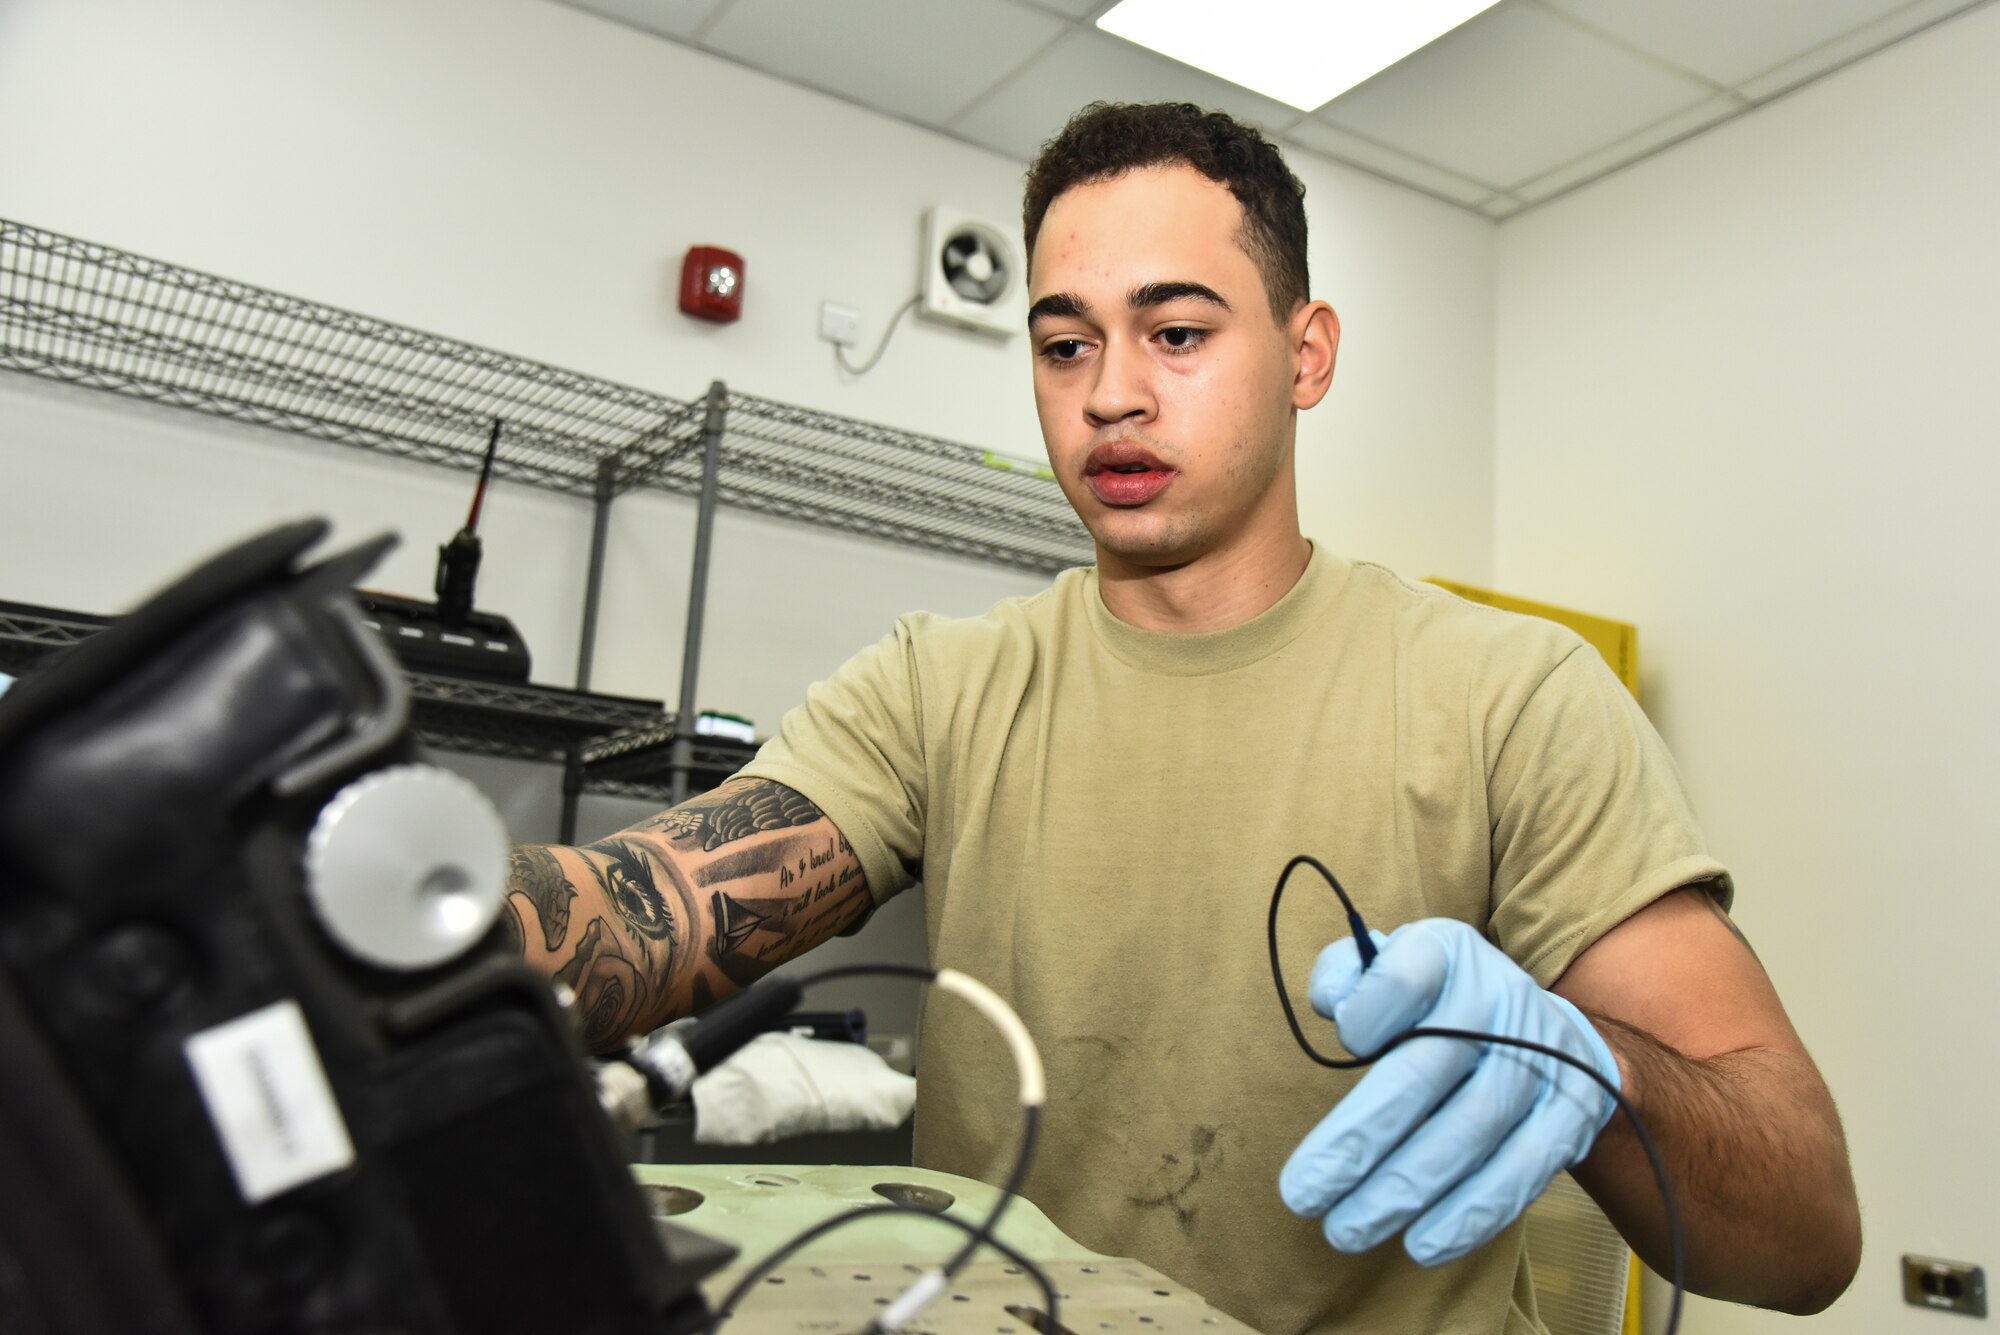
(1179, 336)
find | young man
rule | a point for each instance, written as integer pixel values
(1098, 785)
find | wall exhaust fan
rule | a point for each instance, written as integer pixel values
(973, 274)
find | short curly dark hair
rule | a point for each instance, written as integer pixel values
(1108, 139)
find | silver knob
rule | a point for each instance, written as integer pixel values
(407, 867)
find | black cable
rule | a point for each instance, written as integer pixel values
(1362, 940)
(1030, 1134)
(727, 1308)
(917, 971)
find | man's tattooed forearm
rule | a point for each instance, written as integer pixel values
(536, 876)
(735, 811)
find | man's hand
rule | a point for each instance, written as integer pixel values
(1449, 1139)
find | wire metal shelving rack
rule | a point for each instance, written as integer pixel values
(492, 718)
(91, 315)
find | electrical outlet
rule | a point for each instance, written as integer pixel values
(839, 325)
(1949, 1286)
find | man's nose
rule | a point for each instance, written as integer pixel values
(1123, 386)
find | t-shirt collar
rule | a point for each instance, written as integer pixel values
(1176, 654)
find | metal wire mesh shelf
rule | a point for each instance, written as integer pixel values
(912, 489)
(455, 713)
(638, 762)
(31, 634)
(91, 315)
(522, 721)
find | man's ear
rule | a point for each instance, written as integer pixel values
(1315, 333)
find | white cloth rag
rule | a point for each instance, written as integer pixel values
(782, 1085)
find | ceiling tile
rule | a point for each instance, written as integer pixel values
(1089, 66)
(1863, 41)
(677, 19)
(925, 59)
(1630, 149)
(1513, 94)
(1726, 40)
(1341, 146)
(1075, 9)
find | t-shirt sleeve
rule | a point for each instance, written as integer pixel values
(1591, 822)
(855, 750)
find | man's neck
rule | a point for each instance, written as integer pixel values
(1216, 591)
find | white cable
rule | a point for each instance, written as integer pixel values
(840, 355)
(913, 1300)
(1034, 1092)
(1034, 1086)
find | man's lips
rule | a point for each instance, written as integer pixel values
(1125, 474)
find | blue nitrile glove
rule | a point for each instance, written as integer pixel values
(1450, 1139)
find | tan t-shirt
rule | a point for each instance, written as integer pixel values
(1097, 814)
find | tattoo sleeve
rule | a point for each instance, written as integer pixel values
(683, 909)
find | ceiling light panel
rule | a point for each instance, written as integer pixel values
(1301, 52)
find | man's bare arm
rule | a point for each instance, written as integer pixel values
(1742, 1117)
(679, 911)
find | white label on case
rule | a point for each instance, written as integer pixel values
(269, 1101)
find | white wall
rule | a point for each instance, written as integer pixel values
(1396, 464)
(1745, 399)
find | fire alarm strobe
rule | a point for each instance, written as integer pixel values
(712, 284)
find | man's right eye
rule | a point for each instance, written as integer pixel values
(1063, 349)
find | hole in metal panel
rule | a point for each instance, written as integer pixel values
(917, 1197)
(1038, 1319)
(670, 1200)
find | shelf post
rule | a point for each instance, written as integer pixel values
(593, 589)
(572, 792)
(682, 756)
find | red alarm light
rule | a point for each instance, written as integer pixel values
(712, 284)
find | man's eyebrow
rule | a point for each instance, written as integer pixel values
(1069, 305)
(1159, 294)
(1066, 305)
